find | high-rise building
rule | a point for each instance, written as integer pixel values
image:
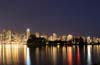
(37, 34)
(9, 34)
(69, 37)
(4, 35)
(54, 36)
(50, 38)
(27, 33)
(63, 38)
(89, 40)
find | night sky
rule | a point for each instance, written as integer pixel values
(79, 17)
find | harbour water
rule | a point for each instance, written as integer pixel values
(49, 55)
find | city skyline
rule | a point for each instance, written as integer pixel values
(11, 37)
(42, 33)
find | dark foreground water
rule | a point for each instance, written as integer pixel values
(49, 55)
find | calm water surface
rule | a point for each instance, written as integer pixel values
(49, 55)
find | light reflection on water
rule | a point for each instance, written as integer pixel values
(49, 55)
(69, 55)
(89, 55)
(28, 57)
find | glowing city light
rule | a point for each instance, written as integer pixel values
(69, 37)
(28, 29)
(10, 37)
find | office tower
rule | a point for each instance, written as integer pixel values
(54, 36)
(37, 34)
(27, 33)
(89, 40)
(69, 37)
(9, 34)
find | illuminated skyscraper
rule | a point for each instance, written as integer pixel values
(69, 37)
(4, 35)
(9, 34)
(89, 40)
(54, 36)
(27, 33)
(63, 38)
(37, 34)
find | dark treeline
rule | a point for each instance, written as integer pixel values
(34, 41)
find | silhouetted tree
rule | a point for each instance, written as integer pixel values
(33, 41)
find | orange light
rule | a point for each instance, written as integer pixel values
(69, 51)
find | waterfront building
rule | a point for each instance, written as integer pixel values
(89, 40)
(37, 34)
(69, 37)
(54, 36)
(63, 38)
(27, 33)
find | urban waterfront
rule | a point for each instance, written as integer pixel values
(49, 32)
(15, 54)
